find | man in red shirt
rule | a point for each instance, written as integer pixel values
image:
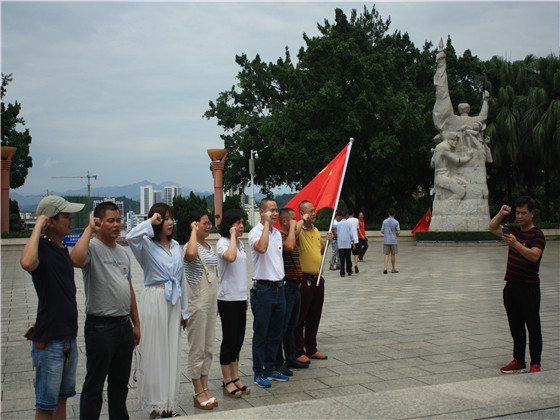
(522, 294)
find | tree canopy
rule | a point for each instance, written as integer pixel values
(21, 161)
(358, 80)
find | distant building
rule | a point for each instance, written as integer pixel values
(133, 219)
(157, 196)
(120, 204)
(169, 192)
(146, 198)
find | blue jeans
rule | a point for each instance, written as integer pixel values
(293, 305)
(335, 259)
(55, 376)
(268, 306)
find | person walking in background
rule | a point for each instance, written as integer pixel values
(522, 294)
(203, 279)
(362, 238)
(335, 258)
(54, 351)
(293, 276)
(356, 249)
(390, 230)
(311, 248)
(163, 307)
(110, 306)
(232, 300)
(268, 301)
(347, 239)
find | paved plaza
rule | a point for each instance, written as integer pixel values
(426, 342)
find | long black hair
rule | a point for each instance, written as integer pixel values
(163, 209)
(194, 216)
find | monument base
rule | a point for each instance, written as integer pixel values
(467, 215)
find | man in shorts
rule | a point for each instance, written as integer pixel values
(54, 352)
(390, 230)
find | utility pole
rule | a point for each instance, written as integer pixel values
(88, 176)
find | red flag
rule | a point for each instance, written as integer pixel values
(323, 190)
(424, 223)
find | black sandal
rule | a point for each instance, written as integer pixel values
(233, 394)
(244, 389)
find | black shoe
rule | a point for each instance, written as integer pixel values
(284, 370)
(342, 275)
(296, 364)
(350, 273)
(356, 269)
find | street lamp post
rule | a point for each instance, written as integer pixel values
(252, 172)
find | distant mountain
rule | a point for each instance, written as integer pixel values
(131, 191)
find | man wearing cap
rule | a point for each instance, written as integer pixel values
(54, 351)
(110, 306)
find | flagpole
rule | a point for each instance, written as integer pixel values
(335, 207)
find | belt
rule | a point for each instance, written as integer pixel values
(272, 283)
(293, 282)
(109, 319)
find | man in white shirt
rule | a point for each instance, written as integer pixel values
(355, 228)
(268, 301)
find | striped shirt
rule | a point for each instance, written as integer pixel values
(194, 269)
(292, 268)
(520, 269)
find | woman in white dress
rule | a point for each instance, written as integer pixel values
(202, 276)
(163, 307)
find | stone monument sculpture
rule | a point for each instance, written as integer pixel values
(459, 160)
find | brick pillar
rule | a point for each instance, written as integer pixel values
(218, 157)
(7, 153)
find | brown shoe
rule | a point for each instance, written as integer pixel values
(303, 359)
(319, 356)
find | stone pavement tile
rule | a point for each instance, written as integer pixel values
(448, 367)
(403, 383)
(446, 378)
(338, 391)
(348, 379)
(280, 398)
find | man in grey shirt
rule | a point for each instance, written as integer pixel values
(110, 307)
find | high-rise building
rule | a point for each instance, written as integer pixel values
(146, 198)
(157, 196)
(171, 191)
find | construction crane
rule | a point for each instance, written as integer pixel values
(88, 176)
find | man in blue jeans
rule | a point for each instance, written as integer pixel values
(110, 306)
(55, 352)
(268, 301)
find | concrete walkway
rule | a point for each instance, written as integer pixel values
(426, 342)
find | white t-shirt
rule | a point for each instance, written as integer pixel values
(355, 226)
(233, 286)
(270, 265)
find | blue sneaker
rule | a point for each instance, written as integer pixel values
(262, 381)
(277, 376)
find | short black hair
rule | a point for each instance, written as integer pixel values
(230, 217)
(194, 216)
(264, 203)
(392, 211)
(350, 212)
(285, 213)
(102, 208)
(525, 201)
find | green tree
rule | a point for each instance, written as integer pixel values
(181, 208)
(16, 224)
(353, 80)
(234, 202)
(21, 161)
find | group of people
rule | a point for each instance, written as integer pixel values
(349, 237)
(185, 288)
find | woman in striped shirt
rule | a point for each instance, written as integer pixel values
(202, 275)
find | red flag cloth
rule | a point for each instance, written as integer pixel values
(322, 191)
(424, 223)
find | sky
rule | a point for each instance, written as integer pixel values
(119, 88)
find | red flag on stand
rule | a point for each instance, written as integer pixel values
(323, 190)
(424, 223)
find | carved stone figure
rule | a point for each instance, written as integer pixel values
(459, 161)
